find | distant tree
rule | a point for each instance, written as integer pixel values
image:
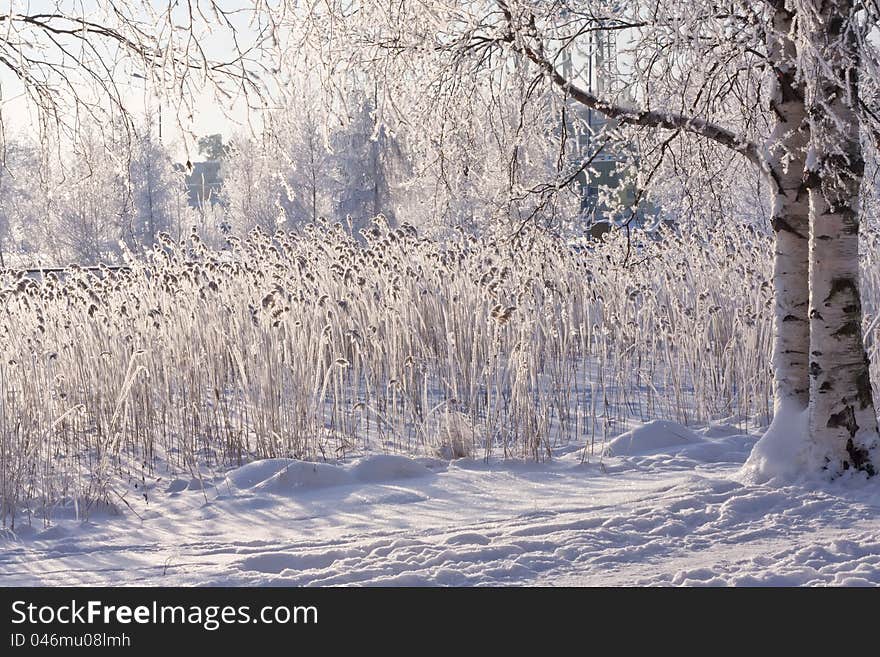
(481, 170)
(26, 213)
(92, 204)
(71, 61)
(212, 148)
(16, 193)
(155, 189)
(297, 139)
(301, 169)
(360, 147)
(253, 190)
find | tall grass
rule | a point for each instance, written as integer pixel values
(317, 346)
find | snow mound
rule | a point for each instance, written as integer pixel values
(651, 437)
(733, 448)
(177, 486)
(280, 476)
(305, 475)
(248, 476)
(784, 453)
(721, 430)
(375, 469)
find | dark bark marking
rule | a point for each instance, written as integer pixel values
(811, 179)
(863, 388)
(860, 458)
(839, 285)
(779, 225)
(850, 162)
(815, 369)
(846, 419)
(848, 329)
(850, 221)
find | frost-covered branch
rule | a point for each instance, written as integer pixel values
(644, 117)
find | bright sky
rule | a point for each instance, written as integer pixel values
(208, 116)
(20, 118)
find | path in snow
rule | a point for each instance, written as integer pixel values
(662, 510)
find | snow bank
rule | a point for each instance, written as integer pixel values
(304, 475)
(654, 519)
(281, 476)
(248, 476)
(651, 437)
(721, 430)
(377, 469)
(784, 453)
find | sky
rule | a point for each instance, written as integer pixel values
(209, 116)
(179, 131)
(19, 116)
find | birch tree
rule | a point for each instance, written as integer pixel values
(777, 82)
(842, 412)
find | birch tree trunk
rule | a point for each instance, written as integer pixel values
(843, 421)
(786, 159)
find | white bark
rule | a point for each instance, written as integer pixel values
(786, 159)
(843, 421)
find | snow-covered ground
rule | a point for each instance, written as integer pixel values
(669, 506)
